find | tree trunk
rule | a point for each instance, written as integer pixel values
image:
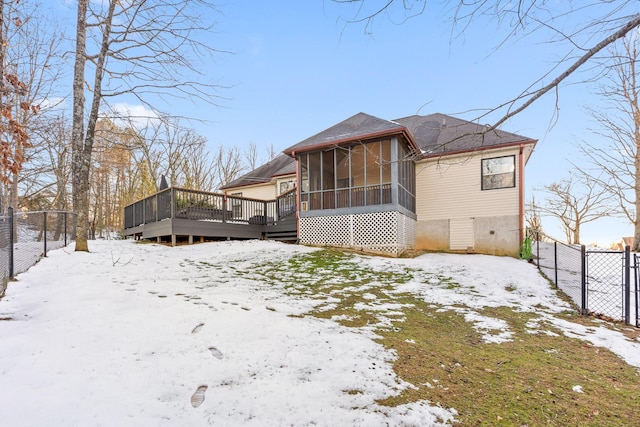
(83, 147)
(80, 175)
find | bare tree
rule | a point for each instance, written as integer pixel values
(533, 217)
(167, 148)
(616, 156)
(250, 155)
(47, 175)
(576, 204)
(585, 29)
(200, 169)
(229, 165)
(143, 49)
(178, 147)
(30, 64)
(271, 152)
(110, 178)
(252, 159)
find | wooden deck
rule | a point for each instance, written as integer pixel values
(177, 214)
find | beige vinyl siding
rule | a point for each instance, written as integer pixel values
(451, 187)
(267, 191)
(260, 191)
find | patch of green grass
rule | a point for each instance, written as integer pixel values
(530, 380)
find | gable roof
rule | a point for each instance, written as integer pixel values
(280, 165)
(433, 135)
(438, 134)
(356, 128)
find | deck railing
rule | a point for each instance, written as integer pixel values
(177, 202)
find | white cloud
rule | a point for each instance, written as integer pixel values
(124, 114)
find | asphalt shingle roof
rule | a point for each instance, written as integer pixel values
(281, 165)
(435, 134)
(358, 127)
(441, 134)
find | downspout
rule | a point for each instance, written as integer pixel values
(521, 180)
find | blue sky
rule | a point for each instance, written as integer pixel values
(298, 69)
(295, 68)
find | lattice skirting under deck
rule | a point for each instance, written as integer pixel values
(381, 232)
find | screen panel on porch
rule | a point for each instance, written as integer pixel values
(344, 177)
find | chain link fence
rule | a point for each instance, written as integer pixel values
(603, 283)
(25, 237)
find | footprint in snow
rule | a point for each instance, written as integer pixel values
(197, 328)
(216, 353)
(198, 397)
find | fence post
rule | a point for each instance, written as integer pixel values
(538, 248)
(264, 216)
(10, 211)
(45, 232)
(635, 289)
(583, 279)
(173, 200)
(555, 261)
(627, 284)
(224, 207)
(65, 229)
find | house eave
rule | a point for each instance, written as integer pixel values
(251, 184)
(480, 148)
(360, 138)
(273, 179)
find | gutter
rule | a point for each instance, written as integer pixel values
(356, 139)
(481, 148)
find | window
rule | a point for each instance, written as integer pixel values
(406, 178)
(499, 172)
(286, 186)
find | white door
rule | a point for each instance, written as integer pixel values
(461, 234)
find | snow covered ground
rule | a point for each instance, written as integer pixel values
(142, 334)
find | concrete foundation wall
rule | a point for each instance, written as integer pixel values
(432, 235)
(492, 235)
(497, 235)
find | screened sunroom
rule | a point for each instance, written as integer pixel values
(362, 177)
(357, 186)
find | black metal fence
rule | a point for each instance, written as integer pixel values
(25, 237)
(603, 283)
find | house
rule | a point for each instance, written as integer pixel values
(268, 181)
(432, 182)
(622, 243)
